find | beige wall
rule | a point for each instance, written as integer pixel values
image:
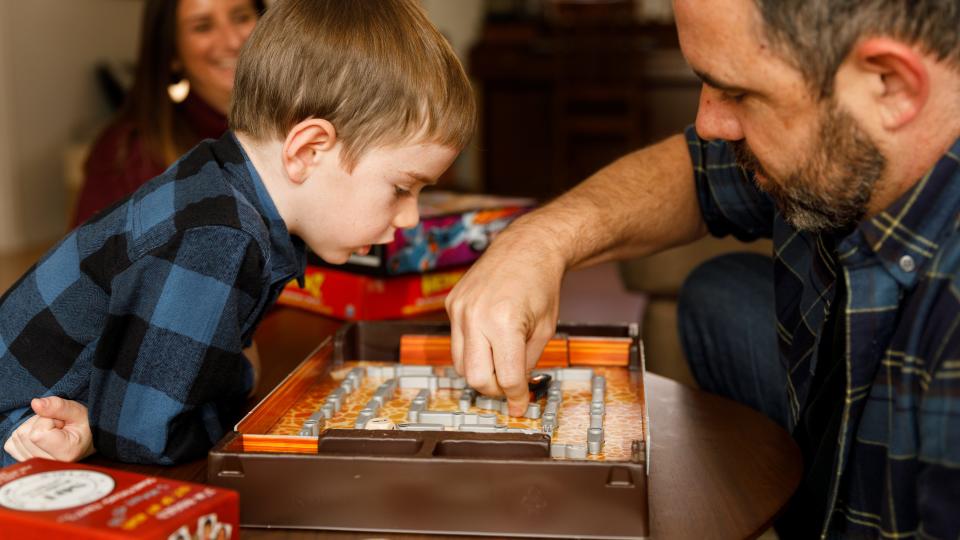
(461, 21)
(48, 97)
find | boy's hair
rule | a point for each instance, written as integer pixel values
(378, 70)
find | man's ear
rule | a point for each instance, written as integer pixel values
(307, 144)
(898, 79)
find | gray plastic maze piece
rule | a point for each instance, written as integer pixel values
(466, 419)
(319, 417)
(310, 428)
(438, 417)
(328, 410)
(374, 405)
(596, 421)
(466, 399)
(487, 419)
(533, 411)
(482, 428)
(412, 371)
(552, 407)
(335, 398)
(423, 395)
(348, 386)
(363, 417)
(411, 426)
(416, 407)
(449, 371)
(356, 374)
(458, 383)
(428, 382)
(598, 381)
(382, 372)
(558, 450)
(549, 417)
(575, 374)
(386, 390)
(576, 451)
(488, 403)
(598, 408)
(594, 440)
(548, 427)
(525, 431)
(443, 383)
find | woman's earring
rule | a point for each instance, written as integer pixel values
(179, 90)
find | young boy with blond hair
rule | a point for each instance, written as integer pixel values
(130, 332)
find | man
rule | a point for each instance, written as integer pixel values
(832, 127)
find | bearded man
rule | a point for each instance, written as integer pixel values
(831, 127)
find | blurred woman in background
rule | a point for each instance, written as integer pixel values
(180, 95)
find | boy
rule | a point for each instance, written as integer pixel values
(131, 330)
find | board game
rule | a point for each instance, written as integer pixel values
(375, 431)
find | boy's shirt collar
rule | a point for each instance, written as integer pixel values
(288, 256)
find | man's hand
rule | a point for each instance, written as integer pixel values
(59, 430)
(502, 314)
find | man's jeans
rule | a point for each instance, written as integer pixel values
(728, 330)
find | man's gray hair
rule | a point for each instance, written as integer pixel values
(817, 35)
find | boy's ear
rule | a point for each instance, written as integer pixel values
(307, 144)
(898, 80)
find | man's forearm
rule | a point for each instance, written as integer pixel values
(640, 204)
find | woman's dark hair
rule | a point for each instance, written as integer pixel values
(165, 135)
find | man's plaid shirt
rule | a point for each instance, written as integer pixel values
(142, 312)
(898, 465)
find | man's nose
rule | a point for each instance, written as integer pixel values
(716, 118)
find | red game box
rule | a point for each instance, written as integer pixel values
(454, 230)
(349, 296)
(41, 498)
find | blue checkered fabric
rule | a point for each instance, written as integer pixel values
(898, 465)
(141, 313)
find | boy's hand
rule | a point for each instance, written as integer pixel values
(60, 430)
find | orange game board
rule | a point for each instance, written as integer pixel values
(454, 453)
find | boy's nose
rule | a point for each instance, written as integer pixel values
(408, 216)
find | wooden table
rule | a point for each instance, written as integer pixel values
(717, 469)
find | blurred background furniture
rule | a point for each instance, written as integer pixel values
(566, 88)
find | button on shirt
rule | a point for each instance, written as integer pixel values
(897, 465)
(141, 313)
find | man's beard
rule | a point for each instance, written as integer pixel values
(830, 190)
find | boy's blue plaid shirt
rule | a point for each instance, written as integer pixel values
(142, 312)
(898, 473)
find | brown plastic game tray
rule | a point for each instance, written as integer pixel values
(437, 482)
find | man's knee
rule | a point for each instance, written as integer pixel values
(719, 285)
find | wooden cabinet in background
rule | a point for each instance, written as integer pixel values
(556, 108)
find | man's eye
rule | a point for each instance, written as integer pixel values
(736, 98)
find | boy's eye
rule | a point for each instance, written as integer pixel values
(401, 192)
